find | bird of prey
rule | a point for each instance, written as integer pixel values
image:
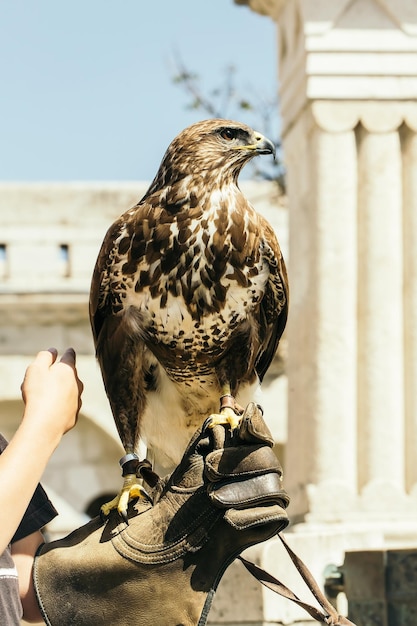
(189, 294)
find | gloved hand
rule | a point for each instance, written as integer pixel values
(162, 568)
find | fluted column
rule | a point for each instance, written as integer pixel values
(409, 147)
(322, 359)
(380, 315)
(353, 350)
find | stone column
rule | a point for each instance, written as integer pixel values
(321, 452)
(409, 148)
(380, 316)
(348, 89)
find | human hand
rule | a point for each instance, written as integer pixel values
(51, 391)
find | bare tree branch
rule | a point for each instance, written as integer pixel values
(225, 100)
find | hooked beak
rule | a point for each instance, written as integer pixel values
(260, 145)
(263, 145)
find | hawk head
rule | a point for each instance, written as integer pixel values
(214, 148)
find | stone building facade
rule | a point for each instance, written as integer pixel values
(347, 73)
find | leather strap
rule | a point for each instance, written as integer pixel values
(328, 615)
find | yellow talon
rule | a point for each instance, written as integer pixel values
(227, 413)
(226, 416)
(131, 489)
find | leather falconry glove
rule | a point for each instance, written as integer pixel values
(164, 566)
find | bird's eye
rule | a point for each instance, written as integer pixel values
(228, 133)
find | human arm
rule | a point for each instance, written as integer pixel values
(51, 391)
(23, 553)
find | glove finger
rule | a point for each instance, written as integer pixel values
(259, 516)
(253, 428)
(252, 492)
(241, 462)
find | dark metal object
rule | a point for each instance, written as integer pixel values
(380, 586)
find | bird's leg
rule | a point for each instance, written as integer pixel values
(131, 487)
(229, 410)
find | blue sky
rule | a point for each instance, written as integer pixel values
(86, 86)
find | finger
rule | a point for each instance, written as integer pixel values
(69, 357)
(80, 391)
(47, 357)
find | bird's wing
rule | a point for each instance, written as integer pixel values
(101, 296)
(274, 304)
(120, 353)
